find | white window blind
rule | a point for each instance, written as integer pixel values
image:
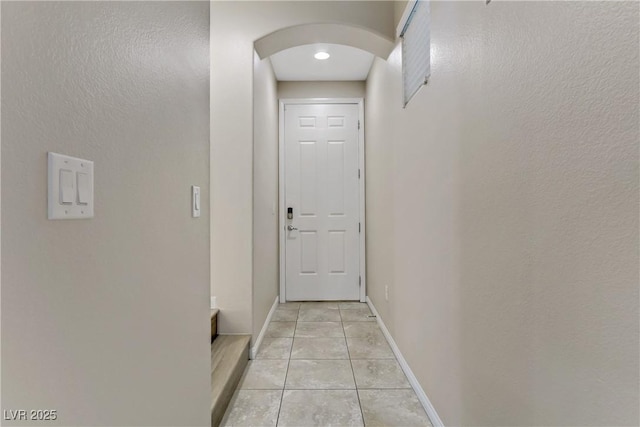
(416, 49)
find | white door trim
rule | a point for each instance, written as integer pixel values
(282, 210)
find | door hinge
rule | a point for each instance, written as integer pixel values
(359, 227)
(358, 124)
(358, 173)
(359, 280)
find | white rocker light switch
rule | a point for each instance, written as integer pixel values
(84, 189)
(66, 187)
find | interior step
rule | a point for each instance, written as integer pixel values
(214, 323)
(229, 358)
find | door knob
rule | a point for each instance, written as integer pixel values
(291, 227)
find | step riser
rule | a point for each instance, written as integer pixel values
(230, 358)
(214, 326)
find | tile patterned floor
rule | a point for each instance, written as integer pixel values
(324, 364)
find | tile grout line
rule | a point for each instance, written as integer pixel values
(334, 388)
(353, 373)
(287, 371)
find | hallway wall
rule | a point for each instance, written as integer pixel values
(265, 195)
(502, 211)
(234, 27)
(106, 320)
(399, 7)
(318, 89)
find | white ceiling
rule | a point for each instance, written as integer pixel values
(345, 63)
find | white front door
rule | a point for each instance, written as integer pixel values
(321, 178)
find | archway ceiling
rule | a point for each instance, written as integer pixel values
(331, 33)
(298, 63)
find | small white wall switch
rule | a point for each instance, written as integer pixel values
(84, 188)
(195, 201)
(66, 187)
(70, 187)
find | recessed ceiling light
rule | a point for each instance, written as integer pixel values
(321, 55)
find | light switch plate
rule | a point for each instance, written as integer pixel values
(81, 205)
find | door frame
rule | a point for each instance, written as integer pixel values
(281, 193)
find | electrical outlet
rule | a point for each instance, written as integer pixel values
(386, 292)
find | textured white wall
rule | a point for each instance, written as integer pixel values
(350, 89)
(502, 211)
(106, 320)
(265, 195)
(234, 27)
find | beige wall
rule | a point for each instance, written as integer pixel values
(265, 194)
(106, 319)
(399, 7)
(502, 211)
(313, 89)
(234, 27)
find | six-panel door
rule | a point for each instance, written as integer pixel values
(322, 187)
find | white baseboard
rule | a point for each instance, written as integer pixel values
(256, 345)
(422, 396)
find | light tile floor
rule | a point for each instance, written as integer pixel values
(324, 364)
